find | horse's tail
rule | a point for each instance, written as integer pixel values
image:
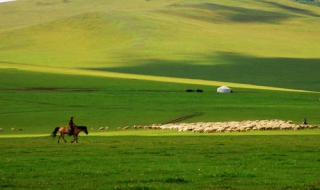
(54, 133)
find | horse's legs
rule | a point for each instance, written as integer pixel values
(62, 135)
(74, 138)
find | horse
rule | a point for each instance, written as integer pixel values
(65, 130)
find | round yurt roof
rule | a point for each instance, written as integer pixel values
(224, 89)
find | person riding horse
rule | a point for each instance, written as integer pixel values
(71, 126)
(66, 130)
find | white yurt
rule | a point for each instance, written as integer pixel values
(224, 89)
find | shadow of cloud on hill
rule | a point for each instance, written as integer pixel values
(294, 73)
(293, 9)
(211, 12)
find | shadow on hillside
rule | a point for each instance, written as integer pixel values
(293, 9)
(292, 73)
(211, 12)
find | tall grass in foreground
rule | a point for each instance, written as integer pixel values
(167, 162)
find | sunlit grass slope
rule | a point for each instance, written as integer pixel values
(38, 102)
(269, 43)
(82, 72)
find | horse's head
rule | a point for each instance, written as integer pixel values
(85, 130)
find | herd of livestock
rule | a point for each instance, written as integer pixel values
(215, 127)
(231, 126)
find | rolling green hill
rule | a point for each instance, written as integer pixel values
(117, 63)
(123, 62)
(269, 43)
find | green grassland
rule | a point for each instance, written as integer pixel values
(91, 53)
(121, 63)
(39, 102)
(268, 43)
(162, 162)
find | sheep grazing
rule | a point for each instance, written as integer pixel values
(103, 128)
(20, 129)
(137, 127)
(12, 129)
(231, 126)
(1, 129)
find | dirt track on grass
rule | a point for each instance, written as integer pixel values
(182, 118)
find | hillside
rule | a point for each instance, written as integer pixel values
(269, 43)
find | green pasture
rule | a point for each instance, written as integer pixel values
(162, 162)
(121, 63)
(38, 102)
(266, 43)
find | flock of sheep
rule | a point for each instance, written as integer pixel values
(12, 129)
(215, 127)
(232, 126)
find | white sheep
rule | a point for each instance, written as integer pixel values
(210, 130)
(243, 126)
(101, 128)
(221, 129)
(147, 127)
(198, 130)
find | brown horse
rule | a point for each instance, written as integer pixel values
(65, 130)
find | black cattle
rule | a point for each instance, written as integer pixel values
(189, 90)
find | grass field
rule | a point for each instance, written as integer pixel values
(40, 105)
(172, 161)
(262, 43)
(259, 43)
(122, 63)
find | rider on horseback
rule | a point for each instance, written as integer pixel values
(71, 126)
